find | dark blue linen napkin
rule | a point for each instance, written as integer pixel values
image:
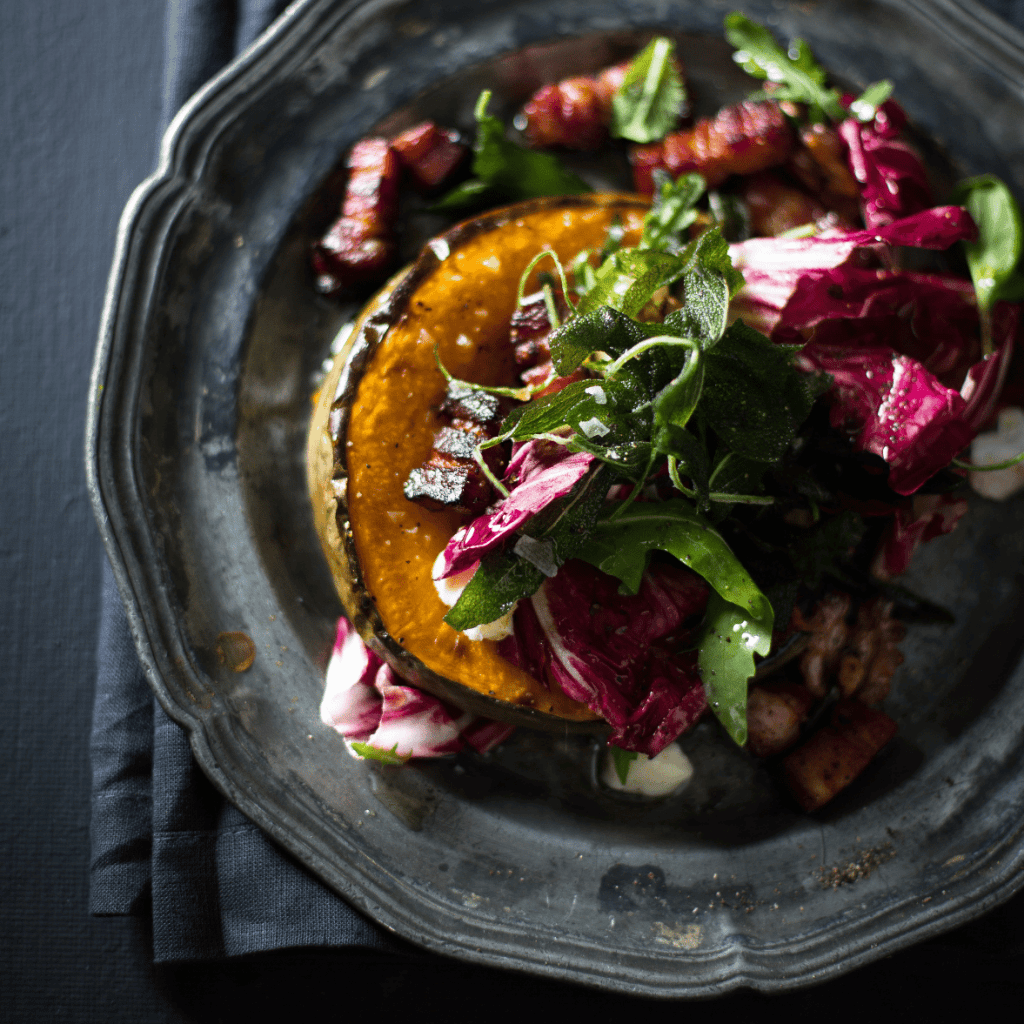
(163, 839)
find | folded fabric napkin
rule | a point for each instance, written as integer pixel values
(163, 839)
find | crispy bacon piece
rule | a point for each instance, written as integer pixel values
(740, 139)
(866, 670)
(574, 113)
(829, 632)
(451, 477)
(776, 207)
(528, 335)
(360, 245)
(775, 712)
(430, 154)
(837, 753)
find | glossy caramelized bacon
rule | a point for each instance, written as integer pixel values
(451, 477)
(740, 139)
(430, 154)
(360, 245)
(575, 112)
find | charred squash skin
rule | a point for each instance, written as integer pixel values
(375, 421)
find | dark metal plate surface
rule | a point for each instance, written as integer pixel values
(211, 341)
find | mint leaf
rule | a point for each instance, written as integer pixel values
(648, 103)
(728, 642)
(628, 278)
(622, 759)
(504, 169)
(754, 399)
(994, 257)
(621, 546)
(673, 211)
(799, 76)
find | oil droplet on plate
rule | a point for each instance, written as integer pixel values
(236, 650)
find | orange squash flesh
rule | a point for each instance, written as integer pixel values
(463, 307)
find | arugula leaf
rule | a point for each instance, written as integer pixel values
(622, 759)
(672, 212)
(504, 169)
(504, 577)
(648, 103)
(391, 756)
(728, 642)
(754, 399)
(800, 77)
(621, 547)
(994, 257)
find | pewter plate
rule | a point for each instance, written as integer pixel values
(211, 341)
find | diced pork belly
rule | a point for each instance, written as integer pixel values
(837, 753)
(451, 477)
(574, 113)
(740, 139)
(360, 245)
(430, 154)
(528, 336)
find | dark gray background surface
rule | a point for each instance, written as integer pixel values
(82, 91)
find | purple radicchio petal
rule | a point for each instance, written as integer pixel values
(617, 653)
(365, 701)
(351, 704)
(898, 410)
(541, 472)
(932, 318)
(927, 516)
(891, 175)
(772, 268)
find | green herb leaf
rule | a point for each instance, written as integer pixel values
(622, 759)
(993, 258)
(709, 280)
(507, 170)
(672, 213)
(799, 76)
(469, 193)
(621, 547)
(628, 278)
(866, 105)
(754, 399)
(376, 754)
(729, 640)
(648, 103)
(735, 474)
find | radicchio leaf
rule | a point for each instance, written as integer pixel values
(387, 720)
(540, 472)
(928, 516)
(892, 178)
(898, 409)
(613, 652)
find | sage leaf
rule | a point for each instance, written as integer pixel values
(648, 103)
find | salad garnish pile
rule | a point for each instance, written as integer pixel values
(730, 436)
